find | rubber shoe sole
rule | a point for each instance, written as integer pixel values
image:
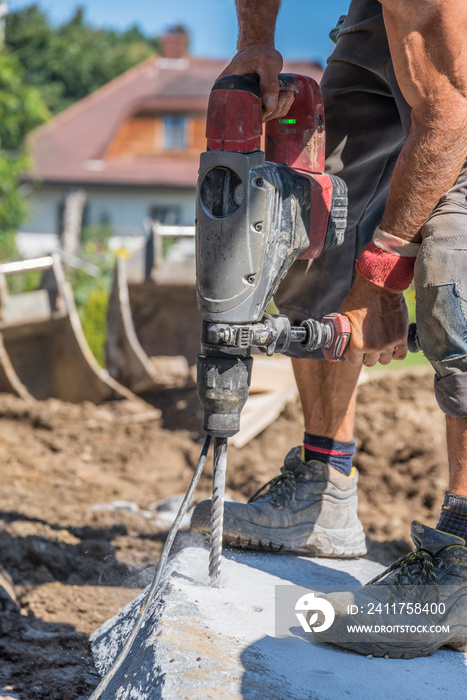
(343, 543)
(393, 650)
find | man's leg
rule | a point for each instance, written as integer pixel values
(456, 434)
(453, 517)
(365, 120)
(441, 294)
(327, 393)
(436, 571)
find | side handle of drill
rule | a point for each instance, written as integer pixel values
(332, 335)
(275, 334)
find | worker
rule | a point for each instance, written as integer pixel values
(395, 98)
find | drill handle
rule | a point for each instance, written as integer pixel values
(332, 335)
(234, 121)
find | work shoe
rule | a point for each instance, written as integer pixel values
(416, 606)
(309, 508)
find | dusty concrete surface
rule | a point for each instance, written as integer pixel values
(226, 642)
(79, 531)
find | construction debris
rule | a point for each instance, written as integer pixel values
(153, 326)
(43, 350)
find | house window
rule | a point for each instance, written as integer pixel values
(167, 216)
(174, 136)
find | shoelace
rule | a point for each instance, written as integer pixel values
(281, 488)
(423, 575)
(420, 558)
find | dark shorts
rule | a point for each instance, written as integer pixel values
(367, 120)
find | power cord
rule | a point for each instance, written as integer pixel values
(157, 577)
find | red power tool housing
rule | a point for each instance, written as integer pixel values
(298, 141)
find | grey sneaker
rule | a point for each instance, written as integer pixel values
(309, 508)
(416, 606)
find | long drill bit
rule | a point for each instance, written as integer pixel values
(217, 508)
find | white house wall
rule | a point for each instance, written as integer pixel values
(43, 205)
(124, 209)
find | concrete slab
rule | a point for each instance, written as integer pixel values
(228, 643)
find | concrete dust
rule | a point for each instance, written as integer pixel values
(76, 557)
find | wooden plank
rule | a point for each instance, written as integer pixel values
(271, 374)
(260, 411)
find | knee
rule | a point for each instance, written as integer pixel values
(441, 308)
(441, 322)
(451, 393)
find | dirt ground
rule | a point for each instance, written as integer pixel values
(80, 531)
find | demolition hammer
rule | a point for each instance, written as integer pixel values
(257, 212)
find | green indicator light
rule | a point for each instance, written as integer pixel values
(287, 121)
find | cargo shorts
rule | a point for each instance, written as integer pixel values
(367, 120)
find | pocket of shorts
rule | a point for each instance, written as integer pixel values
(441, 321)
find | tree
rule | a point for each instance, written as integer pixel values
(72, 60)
(43, 70)
(21, 109)
(21, 105)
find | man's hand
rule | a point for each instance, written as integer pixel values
(257, 55)
(379, 324)
(266, 62)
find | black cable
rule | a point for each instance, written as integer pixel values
(157, 577)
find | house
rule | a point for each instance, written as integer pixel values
(132, 147)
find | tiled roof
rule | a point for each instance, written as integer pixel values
(70, 149)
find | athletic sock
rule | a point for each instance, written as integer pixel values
(334, 453)
(453, 517)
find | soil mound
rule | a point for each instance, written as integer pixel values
(80, 522)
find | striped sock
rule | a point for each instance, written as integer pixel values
(334, 453)
(453, 517)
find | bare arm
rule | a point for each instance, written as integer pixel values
(428, 43)
(257, 53)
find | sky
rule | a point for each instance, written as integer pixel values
(302, 29)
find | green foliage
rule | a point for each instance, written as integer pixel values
(8, 250)
(91, 297)
(21, 105)
(410, 301)
(93, 315)
(95, 237)
(21, 109)
(24, 282)
(72, 60)
(12, 206)
(91, 293)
